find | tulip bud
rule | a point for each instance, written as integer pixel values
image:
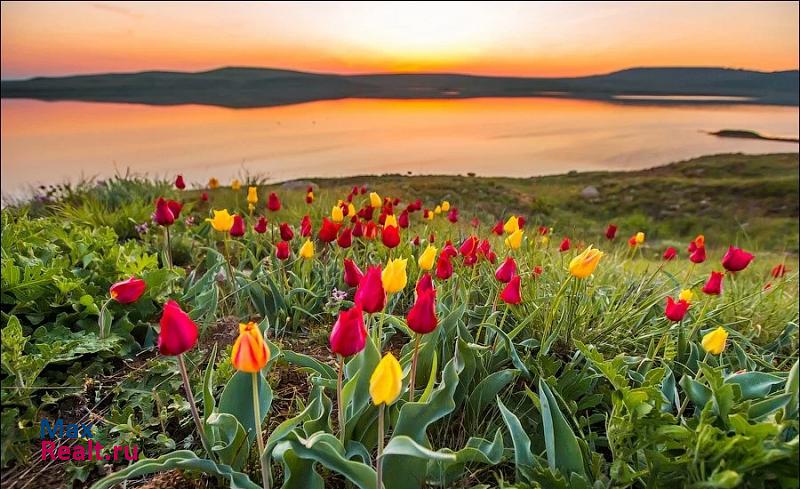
(352, 274)
(584, 264)
(349, 334)
(163, 215)
(427, 258)
(370, 293)
(386, 381)
(236, 184)
(375, 199)
(498, 228)
(394, 276)
(282, 250)
(714, 341)
(213, 183)
(252, 195)
(422, 315)
(307, 250)
(444, 268)
(564, 246)
(250, 353)
(506, 271)
(611, 231)
(424, 283)
(237, 229)
(261, 225)
(511, 294)
(179, 183)
(345, 238)
(670, 254)
(714, 284)
(127, 291)
(178, 332)
(273, 202)
(736, 259)
(675, 311)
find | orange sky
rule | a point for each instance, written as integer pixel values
(547, 39)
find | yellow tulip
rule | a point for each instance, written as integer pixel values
(307, 250)
(236, 184)
(445, 206)
(438, 210)
(249, 353)
(222, 221)
(390, 221)
(386, 381)
(544, 240)
(430, 216)
(427, 258)
(252, 195)
(639, 237)
(514, 241)
(351, 209)
(511, 226)
(394, 276)
(686, 295)
(336, 214)
(714, 341)
(213, 183)
(584, 264)
(375, 199)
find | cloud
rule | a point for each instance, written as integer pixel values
(116, 9)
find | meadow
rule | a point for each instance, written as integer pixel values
(587, 330)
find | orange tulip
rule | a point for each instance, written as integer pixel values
(250, 353)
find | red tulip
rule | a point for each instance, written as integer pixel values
(127, 291)
(370, 293)
(358, 229)
(345, 238)
(714, 284)
(537, 270)
(485, 248)
(498, 228)
(492, 257)
(349, 335)
(310, 188)
(421, 317)
(178, 332)
(698, 242)
(426, 213)
(543, 230)
(175, 207)
(452, 215)
(328, 231)
(632, 241)
(474, 222)
(415, 241)
(511, 293)
(698, 255)
(779, 270)
(736, 259)
(261, 225)
(390, 236)
(273, 202)
(402, 221)
(286, 231)
(670, 253)
(282, 250)
(611, 231)
(564, 246)
(363, 189)
(366, 213)
(237, 230)
(520, 221)
(163, 215)
(309, 197)
(506, 271)
(371, 231)
(431, 238)
(675, 311)
(470, 260)
(424, 283)
(449, 249)
(179, 183)
(469, 247)
(352, 274)
(444, 268)
(204, 196)
(305, 227)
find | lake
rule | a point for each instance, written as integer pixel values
(52, 142)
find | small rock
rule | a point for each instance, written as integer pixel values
(590, 192)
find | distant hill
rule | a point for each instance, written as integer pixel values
(260, 87)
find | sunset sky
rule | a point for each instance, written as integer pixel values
(540, 39)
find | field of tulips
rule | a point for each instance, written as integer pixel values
(309, 336)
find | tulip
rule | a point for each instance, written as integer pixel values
(474, 222)
(204, 196)
(370, 293)
(452, 216)
(445, 206)
(511, 293)
(714, 284)
(309, 197)
(427, 258)
(273, 202)
(307, 250)
(175, 207)
(778, 271)
(402, 221)
(222, 221)
(611, 231)
(250, 353)
(511, 226)
(564, 246)
(520, 221)
(336, 214)
(390, 236)
(351, 210)
(127, 291)
(282, 250)
(543, 230)
(506, 271)
(421, 317)
(698, 242)
(374, 199)
(358, 229)
(415, 241)
(670, 254)
(236, 184)
(584, 264)
(714, 341)
(179, 183)
(736, 259)
(352, 274)
(639, 238)
(371, 231)
(537, 270)
(286, 232)
(394, 276)
(213, 183)
(389, 220)
(386, 381)
(178, 332)
(686, 295)
(345, 238)
(698, 255)
(444, 268)
(469, 246)
(328, 231)
(237, 229)
(431, 238)
(424, 283)
(437, 210)
(163, 215)
(449, 249)
(252, 195)
(498, 228)
(348, 337)
(261, 225)
(675, 311)
(514, 241)
(305, 227)
(363, 189)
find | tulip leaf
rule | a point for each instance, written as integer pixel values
(208, 384)
(488, 388)
(793, 388)
(181, 459)
(754, 385)
(308, 362)
(563, 450)
(426, 394)
(237, 400)
(767, 406)
(523, 457)
(230, 445)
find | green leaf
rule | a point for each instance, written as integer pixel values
(488, 388)
(563, 451)
(326, 450)
(763, 408)
(237, 400)
(230, 440)
(523, 457)
(793, 388)
(754, 385)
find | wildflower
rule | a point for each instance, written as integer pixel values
(178, 332)
(386, 381)
(449, 249)
(514, 240)
(713, 285)
(273, 202)
(352, 274)
(328, 231)
(222, 221)
(252, 195)
(402, 221)
(675, 311)
(511, 226)
(686, 295)
(564, 246)
(670, 254)
(506, 271)
(427, 258)
(250, 353)
(498, 228)
(736, 259)
(511, 294)
(469, 247)
(261, 225)
(424, 283)
(394, 276)
(698, 255)
(127, 291)
(714, 341)
(444, 268)
(163, 215)
(179, 183)
(349, 335)
(370, 294)
(445, 206)
(437, 210)
(584, 264)
(390, 236)
(237, 229)
(305, 227)
(286, 231)
(611, 231)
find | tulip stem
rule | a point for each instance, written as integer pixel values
(102, 318)
(413, 375)
(193, 406)
(259, 435)
(340, 401)
(379, 459)
(168, 247)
